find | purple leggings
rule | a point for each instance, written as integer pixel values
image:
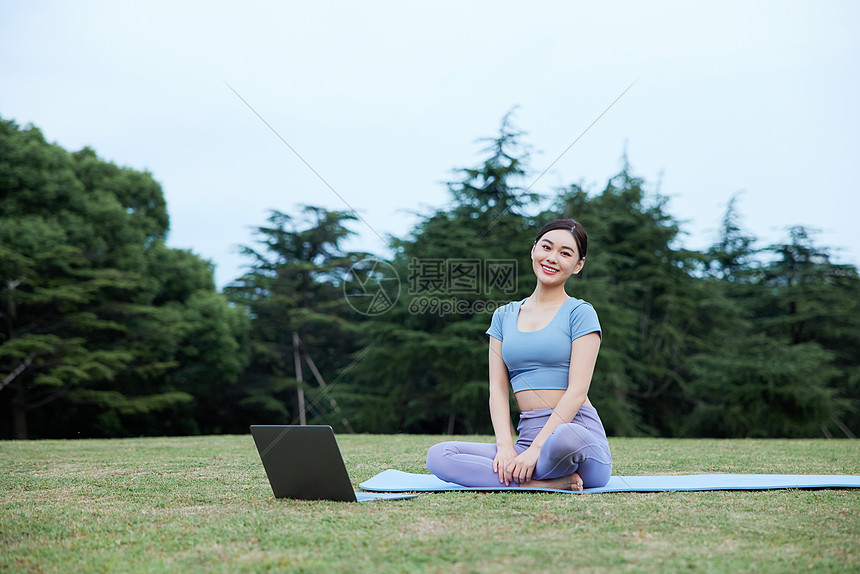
(579, 446)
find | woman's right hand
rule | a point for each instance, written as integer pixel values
(503, 461)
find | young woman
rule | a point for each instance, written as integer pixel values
(545, 347)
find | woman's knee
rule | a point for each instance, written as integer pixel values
(595, 473)
(437, 455)
(573, 440)
(569, 438)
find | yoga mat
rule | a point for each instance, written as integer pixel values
(397, 481)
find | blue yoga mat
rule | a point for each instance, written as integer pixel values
(397, 481)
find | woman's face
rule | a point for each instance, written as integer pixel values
(555, 257)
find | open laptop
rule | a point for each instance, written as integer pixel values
(304, 462)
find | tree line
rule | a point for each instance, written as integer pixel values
(109, 332)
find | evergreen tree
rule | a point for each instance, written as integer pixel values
(90, 331)
(294, 286)
(732, 257)
(806, 300)
(649, 304)
(755, 378)
(426, 369)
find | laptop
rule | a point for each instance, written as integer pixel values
(304, 462)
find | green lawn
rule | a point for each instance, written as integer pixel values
(203, 504)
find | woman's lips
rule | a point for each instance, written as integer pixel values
(549, 270)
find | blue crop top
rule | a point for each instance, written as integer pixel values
(541, 359)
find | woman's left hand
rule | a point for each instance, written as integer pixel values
(523, 466)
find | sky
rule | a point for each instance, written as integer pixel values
(381, 101)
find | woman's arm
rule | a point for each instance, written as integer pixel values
(500, 411)
(583, 356)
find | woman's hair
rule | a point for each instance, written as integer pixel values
(574, 227)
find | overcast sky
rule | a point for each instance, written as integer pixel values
(384, 99)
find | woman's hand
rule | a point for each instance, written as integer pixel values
(502, 462)
(523, 466)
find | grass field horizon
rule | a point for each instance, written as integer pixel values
(204, 504)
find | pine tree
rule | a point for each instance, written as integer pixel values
(93, 335)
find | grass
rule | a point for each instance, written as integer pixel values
(203, 504)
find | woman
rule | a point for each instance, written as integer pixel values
(545, 347)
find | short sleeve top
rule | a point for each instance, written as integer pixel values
(541, 359)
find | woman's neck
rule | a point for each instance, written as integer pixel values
(548, 295)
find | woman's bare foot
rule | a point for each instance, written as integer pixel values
(569, 482)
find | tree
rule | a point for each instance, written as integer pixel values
(294, 286)
(649, 304)
(806, 300)
(758, 376)
(82, 304)
(732, 257)
(423, 366)
(694, 343)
